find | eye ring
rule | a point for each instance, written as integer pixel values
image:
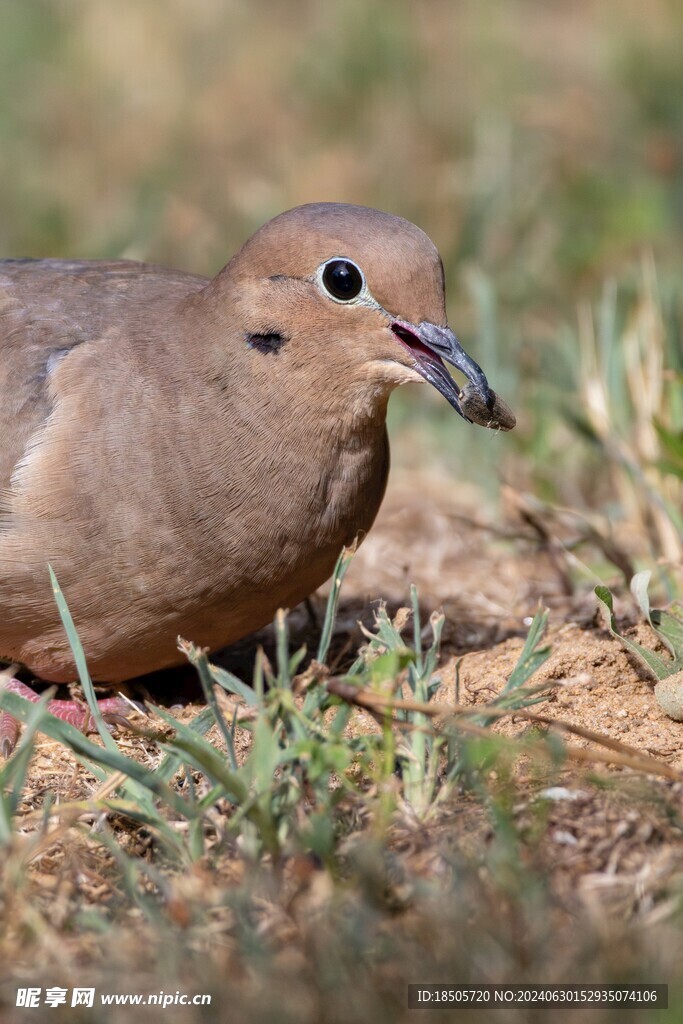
(342, 279)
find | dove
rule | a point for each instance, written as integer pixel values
(191, 454)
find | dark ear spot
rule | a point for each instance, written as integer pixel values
(271, 342)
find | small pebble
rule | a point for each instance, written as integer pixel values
(669, 696)
(564, 838)
(499, 417)
(562, 793)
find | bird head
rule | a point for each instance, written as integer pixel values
(351, 291)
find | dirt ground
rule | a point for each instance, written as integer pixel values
(490, 580)
(613, 851)
(490, 575)
(618, 851)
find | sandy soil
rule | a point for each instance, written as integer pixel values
(490, 578)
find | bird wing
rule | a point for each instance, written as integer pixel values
(48, 308)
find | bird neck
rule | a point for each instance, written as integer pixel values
(330, 408)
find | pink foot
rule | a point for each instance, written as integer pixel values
(68, 710)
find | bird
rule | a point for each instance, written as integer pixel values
(191, 454)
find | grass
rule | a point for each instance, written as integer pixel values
(300, 751)
(269, 838)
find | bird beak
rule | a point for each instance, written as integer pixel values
(429, 345)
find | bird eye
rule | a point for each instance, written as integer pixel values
(343, 280)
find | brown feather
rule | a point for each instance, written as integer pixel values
(178, 479)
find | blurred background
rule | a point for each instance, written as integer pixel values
(539, 143)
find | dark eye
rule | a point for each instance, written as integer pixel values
(343, 279)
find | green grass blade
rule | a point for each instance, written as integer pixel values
(282, 650)
(669, 626)
(200, 724)
(653, 662)
(532, 657)
(234, 685)
(201, 663)
(81, 664)
(417, 632)
(340, 569)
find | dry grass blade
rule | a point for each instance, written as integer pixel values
(621, 753)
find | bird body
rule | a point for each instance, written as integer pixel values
(191, 454)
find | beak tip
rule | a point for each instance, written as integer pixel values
(477, 402)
